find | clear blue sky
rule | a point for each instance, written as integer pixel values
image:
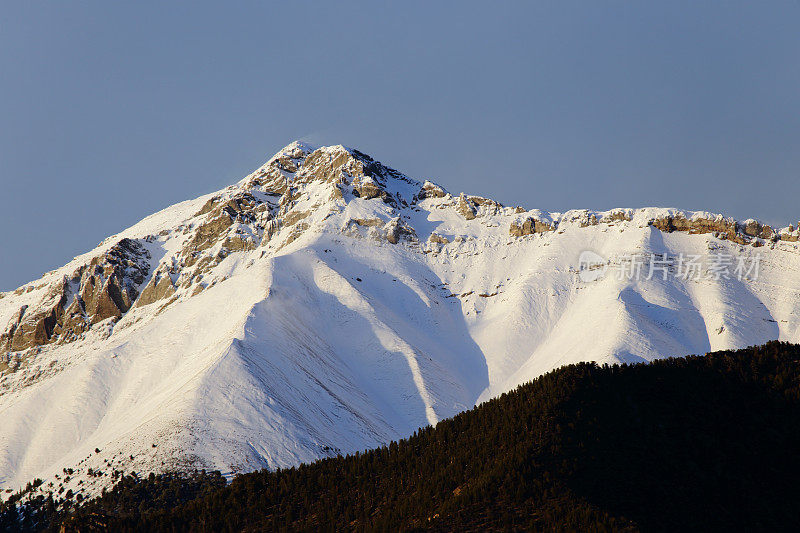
(110, 111)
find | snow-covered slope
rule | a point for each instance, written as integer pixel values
(327, 303)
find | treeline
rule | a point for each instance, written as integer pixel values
(696, 443)
(31, 510)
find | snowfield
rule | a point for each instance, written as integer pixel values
(338, 308)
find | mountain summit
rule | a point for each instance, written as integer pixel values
(328, 303)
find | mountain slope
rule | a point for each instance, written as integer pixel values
(327, 303)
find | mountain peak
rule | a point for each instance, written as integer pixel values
(301, 163)
(327, 303)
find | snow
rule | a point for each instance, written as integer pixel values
(341, 341)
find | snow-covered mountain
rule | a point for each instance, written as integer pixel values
(327, 303)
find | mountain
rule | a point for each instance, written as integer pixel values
(686, 444)
(328, 303)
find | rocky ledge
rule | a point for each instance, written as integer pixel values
(105, 288)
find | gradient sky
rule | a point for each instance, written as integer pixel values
(110, 111)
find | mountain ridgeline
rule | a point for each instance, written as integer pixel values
(696, 443)
(327, 304)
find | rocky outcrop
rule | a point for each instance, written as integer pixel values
(273, 177)
(105, 288)
(367, 188)
(724, 228)
(221, 213)
(334, 165)
(293, 217)
(440, 239)
(617, 216)
(290, 160)
(294, 234)
(368, 222)
(239, 243)
(346, 169)
(75, 321)
(270, 229)
(789, 234)
(160, 287)
(589, 220)
(529, 226)
(753, 228)
(207, 234)
(109, 284)
(208, 206)
(396, 231)
(343, 166)
(487, 205)
(429, 190)
(465, 207)
(30, 328)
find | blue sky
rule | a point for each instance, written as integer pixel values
(110, 111)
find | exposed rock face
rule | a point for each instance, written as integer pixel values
(529, 226)
(488, 206)
(289, 161)
(465, 207)
(618, 216)
(338, 165)
(105, 288)
(270, 229)
(206, 235)
(343, 166)
(435, 237)
(273, 178)
(368, 222)
(590, 220)
(28, 330)
(331, 166)
(747, 232)
(429, 190)
(396, 231)
(235, 223)
(160, 287)
(294, 217)
(729, 229)
(753, 228)
(367, 189)
(297, 231)
(239, 243)
(75, 322)
(109, 284)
